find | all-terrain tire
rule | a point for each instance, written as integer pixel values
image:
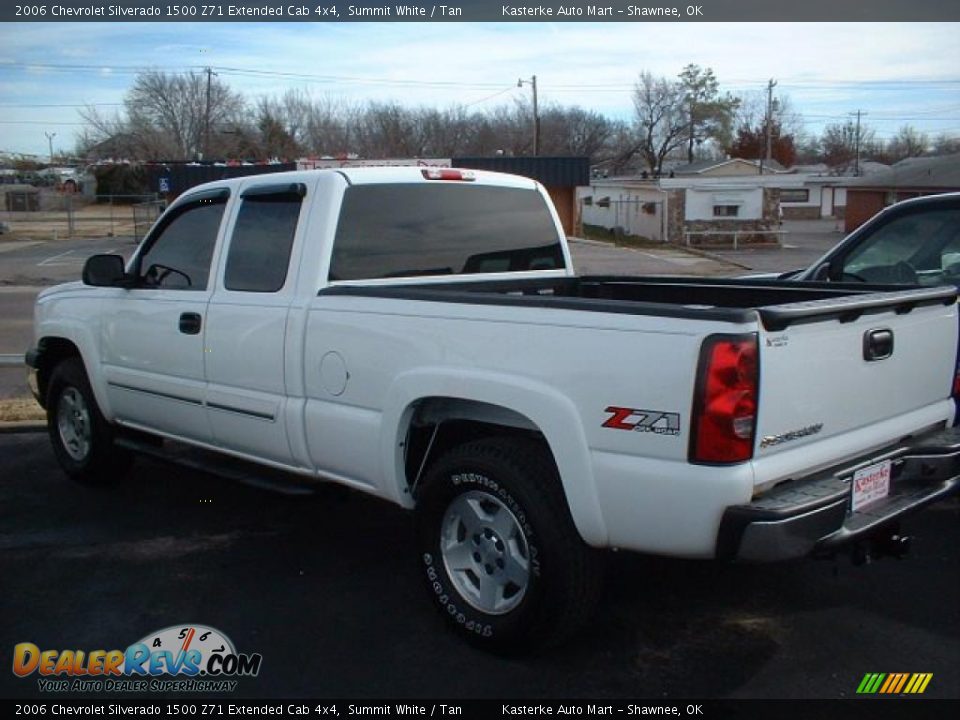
(82, 439)
(499, 551)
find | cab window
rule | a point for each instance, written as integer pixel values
(179, 253)
(262, 240)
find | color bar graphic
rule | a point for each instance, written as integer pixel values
(894, 683)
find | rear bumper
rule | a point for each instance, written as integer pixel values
(812, 514)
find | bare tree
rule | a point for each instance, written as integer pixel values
(172, 112)
(662, 123)
(945, 145)
(839, 143)
(504, 129)
(446, 133)
(105, 137)
(165, 118)
(573, 131)
(908, 142)
(331, 128)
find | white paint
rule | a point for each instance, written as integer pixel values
(50, 260)
(8, 246)
(557, 368)
(700, 203)
(637, 210)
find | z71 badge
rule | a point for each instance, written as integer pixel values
(652, 421)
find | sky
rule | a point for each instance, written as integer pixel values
(896, 73)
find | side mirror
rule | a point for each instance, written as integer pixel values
(104, 271)
(822, 273)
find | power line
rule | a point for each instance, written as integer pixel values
(59, 105)
(252, 72)
(592, 86)
(490, 97)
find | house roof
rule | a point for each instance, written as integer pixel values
(702, 166)
(933, 172)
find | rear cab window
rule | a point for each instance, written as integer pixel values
(259, 253)
(421, 229)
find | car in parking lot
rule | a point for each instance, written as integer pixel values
(914, 242)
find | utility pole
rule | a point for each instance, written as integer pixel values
(206, 132)
(856, 143)
(769, 156)
(50, 137)
(536, 115)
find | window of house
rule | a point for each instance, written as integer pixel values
(263, 239)
(178, 254)
(795, 195)
(726, 210)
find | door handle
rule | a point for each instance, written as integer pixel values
(190, 323)
(877, 344)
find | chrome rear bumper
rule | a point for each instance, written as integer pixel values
(813, 514)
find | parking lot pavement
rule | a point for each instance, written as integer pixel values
(802, 243)
(592, 257)
(326, 589)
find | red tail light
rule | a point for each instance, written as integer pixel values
(725, 402)
(447, 174)
(956, 382)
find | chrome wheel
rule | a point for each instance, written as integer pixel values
(485, 552)
(73, 424)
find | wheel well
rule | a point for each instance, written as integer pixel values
(438, 424)
(53, 351)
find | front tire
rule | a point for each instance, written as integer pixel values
(499, 551)
(82, 439)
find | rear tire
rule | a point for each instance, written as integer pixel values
(499, 552)
(82, 439)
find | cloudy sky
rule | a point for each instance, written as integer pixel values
(897, 73)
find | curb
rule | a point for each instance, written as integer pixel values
(669, 246)
(22, 427)
(713, 256)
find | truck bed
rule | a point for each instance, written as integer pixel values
(732, 300)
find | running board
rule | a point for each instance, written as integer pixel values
(207, 461)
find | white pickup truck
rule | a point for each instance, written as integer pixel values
(420, 335)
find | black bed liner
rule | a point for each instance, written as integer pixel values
(777, 304)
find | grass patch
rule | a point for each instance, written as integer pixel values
(21, 409)
(595, 232)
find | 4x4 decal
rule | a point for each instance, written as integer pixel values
(637, 420)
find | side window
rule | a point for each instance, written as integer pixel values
(920, 242)
(262, 240)
(179, 256)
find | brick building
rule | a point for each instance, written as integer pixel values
(913, 177)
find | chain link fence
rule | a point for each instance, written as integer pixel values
(44, 214)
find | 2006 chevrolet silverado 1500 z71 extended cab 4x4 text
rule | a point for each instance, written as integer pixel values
(420, 335)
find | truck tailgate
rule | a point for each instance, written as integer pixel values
(846, 369)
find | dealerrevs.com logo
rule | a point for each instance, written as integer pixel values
(180, 658)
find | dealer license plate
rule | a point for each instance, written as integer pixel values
(869, 485)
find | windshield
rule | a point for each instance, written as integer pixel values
(922, 247)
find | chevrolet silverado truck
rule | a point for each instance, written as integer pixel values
(420, 335)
